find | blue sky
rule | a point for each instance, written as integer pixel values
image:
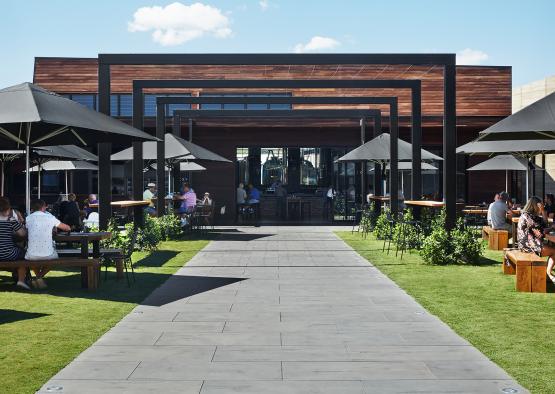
(489, 32)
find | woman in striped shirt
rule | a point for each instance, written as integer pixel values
(10, 228)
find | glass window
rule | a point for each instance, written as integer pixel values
(281, 106)
(150, 105)
(211, 106)
(310, 164)
(88, 100)
(274, 166)
(114, 105)
(234, 106)
(125, 105)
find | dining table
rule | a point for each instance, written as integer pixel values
(85, 239)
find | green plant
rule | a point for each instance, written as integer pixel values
(382, 228)
(411, 237)
(118, 240)
(170, 227)
(466, 246)
(148, 236)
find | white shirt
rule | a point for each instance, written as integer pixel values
(241, 195)
(148, 196)
(330, 193)
(39, 227)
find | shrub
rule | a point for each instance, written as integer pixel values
(411, 232)
(442, 247)
(148, 236)
(382, 228)
(170, 227)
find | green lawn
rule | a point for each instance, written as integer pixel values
(515, 330)
(41, 332)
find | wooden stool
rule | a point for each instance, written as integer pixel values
(497, 239)
(530, 269)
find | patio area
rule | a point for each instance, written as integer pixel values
(280, 310)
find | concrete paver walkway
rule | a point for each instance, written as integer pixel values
(280, 310)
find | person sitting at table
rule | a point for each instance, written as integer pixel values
(86, 205)
(188, 200)
(40, 226)
(70, 213)
(498, 212)
(11, 228)
(206, 200)
(254, 201)
(241, 194)
(550, 205)
(149, 195)
(531, 227)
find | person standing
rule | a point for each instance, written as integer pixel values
(328, 206)
(11, 228)
(241, 194)
(40, 226)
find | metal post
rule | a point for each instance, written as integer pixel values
(394, 164)
(160, 160)
(450, 146)
(38, 181)
(363, 165)
(104, 184)
(378, 190)
(416, 174)
(190, 173)
(137, 165)
(104, 88)
(27, 180)
(2, 193)
(65, 176)
(176, 129)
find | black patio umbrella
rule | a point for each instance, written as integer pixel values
(176, 149)
(377, 150)
(64, 165)
(534, 121)
(7, 156)
(31, 115)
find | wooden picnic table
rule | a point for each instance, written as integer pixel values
(425, 203)
(379, 198)
(86, 238)
(475, 211)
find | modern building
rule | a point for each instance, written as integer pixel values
(298, 152)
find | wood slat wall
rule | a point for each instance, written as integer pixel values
(481, 91)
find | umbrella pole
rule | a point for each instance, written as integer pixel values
(527, 170)
(38, 179)
(27, 182)
(66, 181)
(2, 181)
(507, 181)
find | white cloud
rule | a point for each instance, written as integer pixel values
(317, 43)
(264, 4)
(471, 56)
(177, 23)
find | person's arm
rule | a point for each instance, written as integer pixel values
(63, 227)
(20, 231)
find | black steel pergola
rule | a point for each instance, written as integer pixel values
(416, 116)
(390, 101)
(447, 61)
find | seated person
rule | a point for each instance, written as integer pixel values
(550, 205)
(531, 227)
(206, 200)
(10, 228)
(90, 200)
(498, 212)
(254, 195)
(241, 194)
(70, 213)
(188, 200)
(40, 226)
(149, 195)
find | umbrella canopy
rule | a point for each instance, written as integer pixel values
(407, 166)
(175, 148)
(524, 148)
(378, 150)
(501, 162)
(185, 166)
(65, 165)
(65, 151)
(30, 115)
(534, 121)
(58, 120)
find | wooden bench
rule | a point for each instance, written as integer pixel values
(89, 268)
(530, 270)
(497, 239)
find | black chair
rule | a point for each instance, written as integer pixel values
(109, 257)
(390, 233)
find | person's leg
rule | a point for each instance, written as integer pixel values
(548, 250)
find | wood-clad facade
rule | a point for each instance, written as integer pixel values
(483, 97)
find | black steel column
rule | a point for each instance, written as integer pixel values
(176, 170)
(450, 146)
(363, 166)
(104, 184)
(394, 164)
(137, 166)
(104, 88)
(160, 160)
(416, 137)
(378, 181)
(190, 129)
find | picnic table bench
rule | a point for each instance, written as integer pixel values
(89, 267)
(497, 239)
(530, 270)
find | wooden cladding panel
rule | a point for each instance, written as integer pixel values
(481, 91)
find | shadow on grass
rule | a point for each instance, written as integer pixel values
(11, 315)
(157, 258)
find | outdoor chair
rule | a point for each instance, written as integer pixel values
(401, 240)
(109, 256)
(390, 233)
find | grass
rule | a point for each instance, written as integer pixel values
(42, 332)
(513, 329)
